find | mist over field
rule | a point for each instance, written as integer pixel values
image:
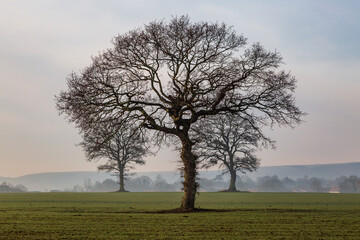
(66, 181)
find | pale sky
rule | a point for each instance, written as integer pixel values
(41, 42)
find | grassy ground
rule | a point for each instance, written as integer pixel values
(121, 216)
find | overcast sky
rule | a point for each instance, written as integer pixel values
(41, 42)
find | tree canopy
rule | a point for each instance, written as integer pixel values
(170, 77)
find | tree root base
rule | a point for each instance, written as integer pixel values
(227, 190)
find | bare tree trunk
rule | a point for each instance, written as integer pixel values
(232, 186)
(121, 181)
(189, 162)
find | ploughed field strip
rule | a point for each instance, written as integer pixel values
(151, 216)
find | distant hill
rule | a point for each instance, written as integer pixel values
(56, 180)
(67, 180)
(319, 170)
(3, 179)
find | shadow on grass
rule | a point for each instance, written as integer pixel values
(178, 210)
(203, 210)
(231, 191)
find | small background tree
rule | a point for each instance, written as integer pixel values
(123, 150)
(9, 188)
(230, 143)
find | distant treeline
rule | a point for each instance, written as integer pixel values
(342, 184)
(9, 188)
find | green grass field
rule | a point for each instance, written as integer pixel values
(122, 216)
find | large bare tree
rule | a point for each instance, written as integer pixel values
(230, 143)
(124, 149)
(168, 76)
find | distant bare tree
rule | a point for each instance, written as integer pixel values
(354, 182)
(88, 184)
(230, 143)
(77, 188)
(7, 187)
(349, 184)
(168, 76)
(315, 184)
(126, 148)
(270, 184)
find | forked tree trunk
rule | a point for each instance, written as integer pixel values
(121, 181)
(189, 162)
(232, 186)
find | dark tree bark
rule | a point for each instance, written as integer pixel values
(232, 185)
(168, 77)
(121, 181)
(189, 170)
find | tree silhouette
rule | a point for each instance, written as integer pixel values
(169, 77)
(126, 148)
(230, 143)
